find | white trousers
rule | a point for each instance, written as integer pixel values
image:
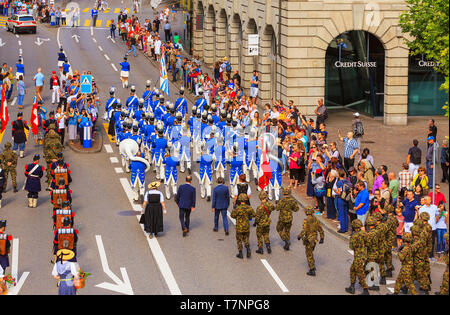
(413, 169)
(170, 183)
(55, 94)
(205, 187)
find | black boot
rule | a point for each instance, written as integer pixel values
(269, 250)
(189, 171)
(260, 250)
(389, 273)
(256, 181)
(374, 288)
(208, 199)
(249, 252)
(15, 189)
(365, 292)
(286, 246)
(383, 280)
(254, 223)
(350, 289)
(239, 255)
(312, 272)
(404, 290)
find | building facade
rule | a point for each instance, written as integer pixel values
(351, 53)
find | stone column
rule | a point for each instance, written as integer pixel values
(198, 34)
(235, 45)
(221, 40)
(208, 38)
(266, 74)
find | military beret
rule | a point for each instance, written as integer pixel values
(357, 224)
(407, 237)
(262, 195)
(424, 216)
(286, 190)
(242, 197)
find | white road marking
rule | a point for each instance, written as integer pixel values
(391, 289)
(100, 48)
(76, 38)
(2, 43)
(158, 254)
(274, 276)
(351, 252)
(114, 159)
(14, 101)
(20, 42)
(20, 52)
(94, 40)
(107, 58)
(15, 269)
(118, 170)
(108, 148)
(17, 36)
(92, 31)
(390, 282)
(120, 286)
(112, 39)
(114, 67)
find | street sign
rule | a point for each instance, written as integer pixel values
(253, 44)
(86, 84)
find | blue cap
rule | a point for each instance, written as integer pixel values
(430, 138)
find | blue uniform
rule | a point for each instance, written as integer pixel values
(235, 168)
(181, 106)
(159, 111)
(132, 103)
(171, 169)
(137, 172)
(159, 146)
(147, 96)
(109, 106)
(205, 167)
(200, 103)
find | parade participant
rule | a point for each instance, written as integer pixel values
(220, 163)
(59, 169)
(132, 101)
(160, 109)
(136, 136)
(200, 102)
(109, 107)
(5, 246)
(196, 133)
(2, 181)
(124, 72)
(65, 271)
(185, 151)
(52, 146)
(286, 206)
(242, 188)
(205, 173)
(114, 116)
(33, 173)
(275, 180)
(159, 146)
(358, 246)
(140, 110)
(420, 258)
(444, 285)
(65, 238)
(169, 120)
(171, 174)
(9, 163)
(152, 210)
(235, 169)
(181, 104)
(147, 95)
(263, 222)
(406, 256)
(220, 204)
(391, 239)
(311, 226)
(382, 229)
(149, 132)
(252, 158)
(185, 199)
(154, 104)
(243, 213)
(372, 243)
(60, 214)
(60, 194)
(18, 134)
(54, 87)
(137, 176)
(61, 58)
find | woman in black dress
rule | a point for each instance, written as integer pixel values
(152, 210)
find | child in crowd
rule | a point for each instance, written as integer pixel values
(401, 223)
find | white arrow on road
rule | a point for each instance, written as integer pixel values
(76, 38)
(391, 289)
(388, 282)
(120, 286)
(14, 269)
(39, 41)
(2, 43)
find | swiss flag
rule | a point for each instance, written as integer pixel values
(4, 109)
(34, 118)
(265, 173)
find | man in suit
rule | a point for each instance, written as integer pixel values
(185, 200)
(220, 204)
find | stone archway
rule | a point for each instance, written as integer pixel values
(221, 36)
(236, 43)
(209, 26)
(268, 65)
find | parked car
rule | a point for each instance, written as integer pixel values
(21, 23)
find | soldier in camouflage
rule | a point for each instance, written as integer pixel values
(311, 226)
(373, 245)
(420, 258)
(444, 285)
(425, 217)
(52, 146)
(391, 239)
(263, 222)
(9, 165)
(405, 277)
(358, 246)
(286, 206)
(243, 213)
(382, 229)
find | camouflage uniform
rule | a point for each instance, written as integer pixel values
(52, 146)
(263, 222)
(9, 156)
(372, 244)
(405, 277)
(286, 206)
(428, 234)
(243, 213)
(421, 257)
(358, 245)
(383, 230)
(391, 240)
(311, 226)
(444, 286)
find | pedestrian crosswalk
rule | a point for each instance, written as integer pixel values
(3, 20)
(110, 10)
(98, 23)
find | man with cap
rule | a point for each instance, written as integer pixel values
(430, 163)
(60, 214)
(109, 103)
(59, 167)
(147, 94)
(137, 170)
(33, 173)
(287, 205)
(263, 222)
(8, 159)
(205, 173)
(52, 146)
(5, 246)
(358, 129)
(243, 213)
(358, 246)
(124, 72)
(54, 87)
(200, 102)
(18, 133)
(60, 194)
(132, 101)
(311, 226)
(181, 104)
(115, 118)
(159, 146)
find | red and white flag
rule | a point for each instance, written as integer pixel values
(265, 173)
(4, 109)
(34, 120)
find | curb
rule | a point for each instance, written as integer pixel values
(98, 139)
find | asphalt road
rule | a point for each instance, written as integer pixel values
(202, 263)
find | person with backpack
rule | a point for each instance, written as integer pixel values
(343, 196)
(358, 129)
(414, 158)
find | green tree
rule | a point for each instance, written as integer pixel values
(428, 24)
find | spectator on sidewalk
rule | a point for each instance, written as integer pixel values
(441, 228)
(410, 211)
(167, 31)
(322, 113)
(421, 179)
(433, 212)
(393, 187)
(358, 128)
(445, 160)
(414, 158)
(405, 177)
(401, 223)
(350, 149)
(342, 187)
(21, 91)
(432, 129)
(362, 202)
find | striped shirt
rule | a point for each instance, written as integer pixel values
(405, 178)
(349, 147)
